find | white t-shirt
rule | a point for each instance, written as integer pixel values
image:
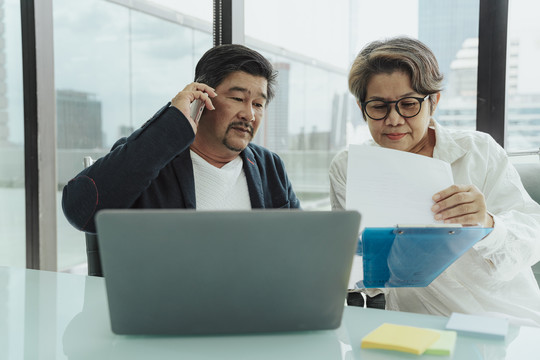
(220, 188)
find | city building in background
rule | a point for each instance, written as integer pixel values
(458, 108)
(450, 29)
(78, 120)
(274, 131)
(444, 26)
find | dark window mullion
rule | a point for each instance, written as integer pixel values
(222, 24)
(31, 168)
(492, 43)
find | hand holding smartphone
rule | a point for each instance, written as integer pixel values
(197, 96)
(196, 109)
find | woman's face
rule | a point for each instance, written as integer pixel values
(395, 131)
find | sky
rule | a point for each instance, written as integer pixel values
(318, 28)
(203, 10)
(322, 29)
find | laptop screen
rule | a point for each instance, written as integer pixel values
(214, 272)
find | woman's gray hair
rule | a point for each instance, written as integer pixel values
(396, 54)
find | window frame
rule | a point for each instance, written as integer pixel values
(491, 87)
(39, 134)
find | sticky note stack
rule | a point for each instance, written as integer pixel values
(478, 325)
(410, 339)
(445, 345)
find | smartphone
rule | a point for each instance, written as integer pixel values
(197, 108)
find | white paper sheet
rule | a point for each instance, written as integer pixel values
(390, 187)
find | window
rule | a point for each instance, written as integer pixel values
(314, 116)
(523, 77)
(306, 124)
(450, 29)
(12, 191)
(114, 68)
(117, 62)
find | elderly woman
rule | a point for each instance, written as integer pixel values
(397, 85)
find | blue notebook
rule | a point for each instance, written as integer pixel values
(413, 256)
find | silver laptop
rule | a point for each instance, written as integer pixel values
(210, 272)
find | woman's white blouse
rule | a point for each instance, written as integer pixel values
(495, 275)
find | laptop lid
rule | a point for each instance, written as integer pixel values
(217, 272)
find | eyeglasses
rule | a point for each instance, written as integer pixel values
(406, 107)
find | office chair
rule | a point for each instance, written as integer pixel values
(357, 299)
(92, 247)
(530, 177)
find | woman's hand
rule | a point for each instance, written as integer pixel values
(194, 91)
(461, 204)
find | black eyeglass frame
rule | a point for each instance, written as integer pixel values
(388, 109)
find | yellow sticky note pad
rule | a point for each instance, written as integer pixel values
(445, 345)
(409, 339)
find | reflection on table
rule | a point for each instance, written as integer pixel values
(48, 315)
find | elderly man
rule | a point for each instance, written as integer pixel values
(177, 161)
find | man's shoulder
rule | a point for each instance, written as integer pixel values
(266, 160)
(261, 152)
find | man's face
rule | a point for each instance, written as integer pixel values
(239, 110)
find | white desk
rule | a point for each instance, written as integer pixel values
(48, 315)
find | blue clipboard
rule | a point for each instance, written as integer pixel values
(413, 256)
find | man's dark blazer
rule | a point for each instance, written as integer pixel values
(152, 168)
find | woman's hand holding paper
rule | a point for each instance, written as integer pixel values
(461, 204)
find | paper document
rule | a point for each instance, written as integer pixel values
(390, 187)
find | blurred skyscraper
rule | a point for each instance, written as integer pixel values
(78, 120)
(274, 131)
(450, 29)
(444, 26)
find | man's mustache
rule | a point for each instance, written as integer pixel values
(243, 125)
